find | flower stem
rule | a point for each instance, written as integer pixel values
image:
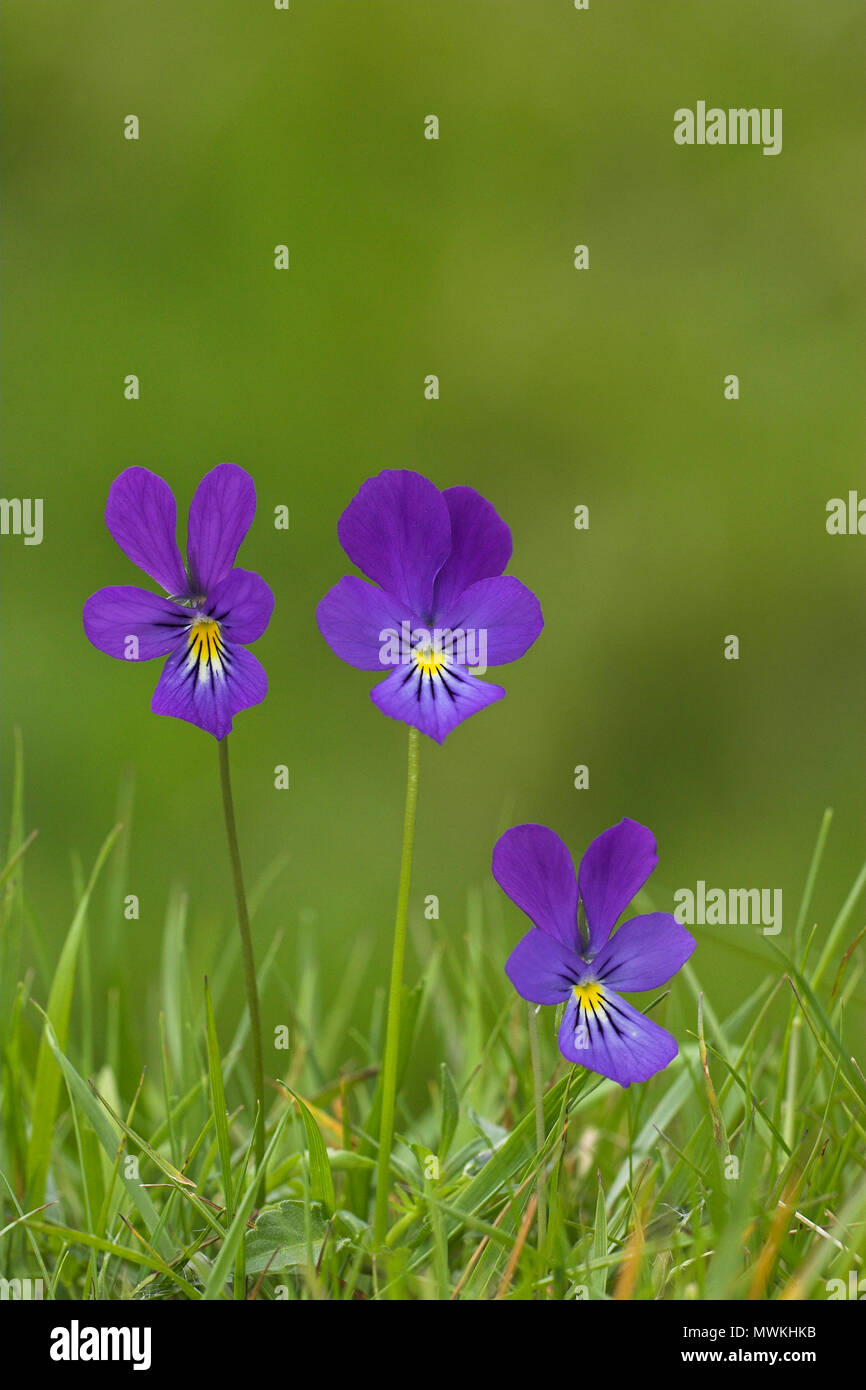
(249, 961)
(392, 1037)
(540, 1134)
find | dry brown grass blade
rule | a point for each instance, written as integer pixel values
(517, 1249)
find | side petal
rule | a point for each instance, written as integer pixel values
(435, 704)
(644, 953)
(397, 531)
(615, 1040)
(142, 517)
(480, 545)
(533, 866)
(500, 618)
(220, 514)
(541, 969)
(356, 619)
(242, 603)
(208, 692)
(616, 866)
(121, 612)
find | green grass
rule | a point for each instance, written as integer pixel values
(737, 1173)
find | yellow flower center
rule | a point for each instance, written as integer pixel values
(429, 661)
(205, 646)
(589, 995)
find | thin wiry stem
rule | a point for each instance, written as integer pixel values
(540, 1130)
(249, 962)
(392, 1037)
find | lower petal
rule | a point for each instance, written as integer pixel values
(604, 1033)
(208, 687)
(433, 701)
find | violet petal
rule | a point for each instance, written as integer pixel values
(502, 616)
(644, 952)
(115, 616)
(209, 693)
(352, 618)
(220, 514)
(541, 969)
(242, 603)
(397, 531)
(615, 1040)
(480, 545)
(533, 866)
(435, 704)
(614, 868)
(142, 517)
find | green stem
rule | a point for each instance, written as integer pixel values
(540, 1131)
(249, 962)
(392, 1037)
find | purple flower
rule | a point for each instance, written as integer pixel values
(573, 956)
(439, 605)
(212, 609)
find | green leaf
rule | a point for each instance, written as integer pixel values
(234, 1236)
(511, 1158)
(47, 1086)
(107, 1136)
(12, 905)
(321, 1179)
(449, 1105)
(279, 1238)
(350, 1161)
(834, 936)
(842, 1055)
(146, 1258)
(599, 1243)
(218, 1096)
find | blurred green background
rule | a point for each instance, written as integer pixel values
(558, 387)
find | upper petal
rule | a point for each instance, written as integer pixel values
(114, 616)
(435, 704)
(142, 517)
(500, 617)
(480, 545)
(352, 618)
(644, 952)
(220, 514)
(535, 869)
(616, 866)
(541, 969)
(207, 689)
(615, 1040)
(397, 530)
(242, 603)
